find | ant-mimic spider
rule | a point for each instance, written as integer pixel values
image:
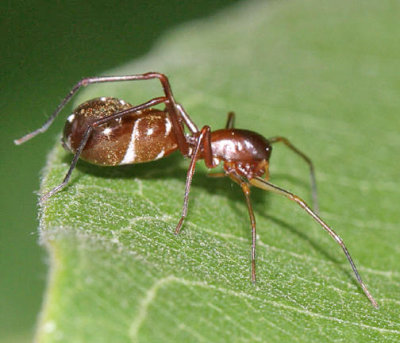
(109, 132)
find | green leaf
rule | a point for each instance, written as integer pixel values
(322, 73)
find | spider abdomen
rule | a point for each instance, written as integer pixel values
(138, 137)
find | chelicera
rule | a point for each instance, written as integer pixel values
(109, 132)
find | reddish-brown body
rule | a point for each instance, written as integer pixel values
(245, 152)
(138, 137)
(147, 135)
(109, 131)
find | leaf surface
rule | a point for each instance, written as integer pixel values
(325, 75)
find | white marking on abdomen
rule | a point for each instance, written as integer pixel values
(150, 131)
(107, 131)
(168, 127)
(71, 118)
(130, 153)
(160, 155)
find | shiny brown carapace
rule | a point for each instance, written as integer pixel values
(142, 136)
(109, 132)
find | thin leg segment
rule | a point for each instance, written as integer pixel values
(216, 175)
(246, 191)
(170, 104)
(263, 184)
(230, 122)
(309, 162)
(203, 142)
(78, 152)
(189, 122)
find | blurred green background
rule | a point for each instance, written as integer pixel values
(45, 48)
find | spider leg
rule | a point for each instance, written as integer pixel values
(309, 162)
(189, 122)
(203, 142)
(230, 122)
(265, 185)
(246, 191)
(216, 175)
(171, 105)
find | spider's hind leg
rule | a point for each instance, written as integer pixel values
(230, 122)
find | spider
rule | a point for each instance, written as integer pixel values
(108, 131)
